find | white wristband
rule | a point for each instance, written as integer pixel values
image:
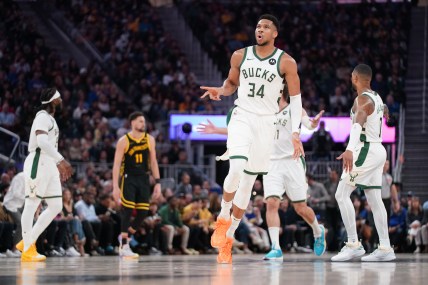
(354, 136)
(296, 112)
(307, 123)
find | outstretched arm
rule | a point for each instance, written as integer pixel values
(232, 81)
(210, 128)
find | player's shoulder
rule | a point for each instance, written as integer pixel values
(286, 58)
(42, 115)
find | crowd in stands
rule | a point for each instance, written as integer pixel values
(327, 40)
(147, 65)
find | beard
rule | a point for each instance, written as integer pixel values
(141, 130)
(262, 44)
(58, 108)
(354, 88)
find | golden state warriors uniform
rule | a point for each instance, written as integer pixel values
(285, 173)
(42, 177)
(251, 126)
(135, 186)
(370, 154)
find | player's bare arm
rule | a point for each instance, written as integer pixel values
(232, 81)
(121, 146)
(210, 128)
(288, 67)
(363, 107)
(154, 168)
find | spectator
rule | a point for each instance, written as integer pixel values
(75, 227)
(172, 225)
(322, 143)
(90, 221)
(413, 220)
(397, 226)
(14, 205)
(318, 197)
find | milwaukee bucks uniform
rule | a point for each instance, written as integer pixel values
(370, 154)
(285, 173)
(42, 177)
(135, 186)
(251, 126)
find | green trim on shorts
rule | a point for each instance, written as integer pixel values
(229, 115)
(35, 164)
(363, 154)
(40, 197)
(273, 196)
(367, 187)
(302, 159)
(255, 173)
(299, 201)
(238, 157)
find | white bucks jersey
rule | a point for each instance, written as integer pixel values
(260, 82)
(372, 129)
(43, 122)
(283, 147)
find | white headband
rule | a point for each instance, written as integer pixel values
(55, 96)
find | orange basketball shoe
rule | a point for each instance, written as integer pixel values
(225, 253)
(31, 255)
(20, 245)
(218, 238)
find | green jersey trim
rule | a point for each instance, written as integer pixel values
(278, 65)
(243, 59)
(263, 59)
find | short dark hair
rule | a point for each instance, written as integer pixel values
(364, 69)
(135, 115)
(271, 18)
(47, 94)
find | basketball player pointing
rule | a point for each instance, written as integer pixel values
(258, 73)
(43, 169)
(363, 163)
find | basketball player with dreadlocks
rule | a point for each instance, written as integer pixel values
(44, 169)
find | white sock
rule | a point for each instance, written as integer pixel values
(27, 219)
(225, 209)
(235, 223)
(374, 199)
(274, 237)
(316, 228)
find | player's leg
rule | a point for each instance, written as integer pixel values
(240, 203)
(273, 184)
(274, 225)
(384, 251)
(353, 247)
(238, 144)
(128, 198)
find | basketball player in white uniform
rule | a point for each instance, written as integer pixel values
(259, 72)
(363, 163)
(44, 168)
(286, 174)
